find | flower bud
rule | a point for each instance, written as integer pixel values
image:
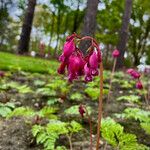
(115, 53)
(139, 85)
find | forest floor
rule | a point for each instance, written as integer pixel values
(33, 98)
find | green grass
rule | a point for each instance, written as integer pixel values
(25, 63)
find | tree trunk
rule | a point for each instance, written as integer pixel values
(89, 25)
(23, 46)
(124, 33)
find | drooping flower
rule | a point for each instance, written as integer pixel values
(77, 64)
(93, 60)
(133, 73)
(61, 69)
(139, 85)
(129, 70)
(87, 72)
(69, 48)
(73, 67)
(81, 110)
(115, 53)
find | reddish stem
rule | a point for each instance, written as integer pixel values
(90, 123)
(100, 106)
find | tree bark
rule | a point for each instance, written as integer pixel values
(89, 25)
(23, 46)
(124, 33)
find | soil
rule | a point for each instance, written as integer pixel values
(15, 134)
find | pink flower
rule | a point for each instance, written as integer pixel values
(93, 60)
(69, 48)
(87, 72)
(73, 67)
(61, 69)
(139, 85)
(133, 73)
(81, 110)
(129, 70)
(115, 53)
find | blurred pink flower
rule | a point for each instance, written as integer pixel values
(115, 53)
(139, 85)
(133, 73)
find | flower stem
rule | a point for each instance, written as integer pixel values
(70, 142)
(90, 123)
(111, 77)
(100, 106)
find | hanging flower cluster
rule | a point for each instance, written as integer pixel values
(76, 63)
(136, 75)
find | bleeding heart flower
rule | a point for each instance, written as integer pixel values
(129, 70)
(69, 48)
(139, 85)
(93, 60)
(115, 53)
(133, 73)
(73, 67)
(81, 110)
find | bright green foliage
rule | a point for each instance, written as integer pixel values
(146, 126)
(59, 84)
(20, 88)
(130, 98)
(49, 134)
(39, 83)
(46, 91)
(6, 108)
(127, 84)
(137, 114)
(47, 112)
(76, 96)
(9, 61)
(52, 101)
(22, 111)
(74, 110)
(113, 133)
(92, 92)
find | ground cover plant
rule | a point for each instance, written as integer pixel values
(56, 102)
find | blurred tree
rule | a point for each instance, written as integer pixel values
(124, 33)
(4, 19)
(139, 31)
(23, 45)
(89, 25)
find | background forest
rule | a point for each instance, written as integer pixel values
(55, 19)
